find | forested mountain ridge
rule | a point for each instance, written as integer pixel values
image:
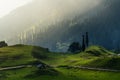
(102, 22)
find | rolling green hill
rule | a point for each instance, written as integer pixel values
(94, 57)
(17, 55)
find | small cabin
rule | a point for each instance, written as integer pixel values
(3, 44)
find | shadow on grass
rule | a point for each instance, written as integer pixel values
(43, 72)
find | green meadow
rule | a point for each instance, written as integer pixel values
(94, 56)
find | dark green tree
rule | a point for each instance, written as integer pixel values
(74, 47)
(87, 39)
(83, 43)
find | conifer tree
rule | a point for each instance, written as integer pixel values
(83, 43)
(87, 39)
(74, 47)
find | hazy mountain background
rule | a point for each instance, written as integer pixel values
(55, 23)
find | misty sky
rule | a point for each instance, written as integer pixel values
(6, 6)
(20, 15)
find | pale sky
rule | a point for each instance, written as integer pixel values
(6, 6)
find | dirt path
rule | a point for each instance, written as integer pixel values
(14, 67)
(86, 68)
(96, 69)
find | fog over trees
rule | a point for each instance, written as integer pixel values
(56, 23)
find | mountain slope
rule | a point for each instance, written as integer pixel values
(58, 30)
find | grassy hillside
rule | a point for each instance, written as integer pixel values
(63, 74)
(93, 56)
(18, 54)
(98, 51)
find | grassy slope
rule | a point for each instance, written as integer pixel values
(15, 55)
(21, 54)
(64, 74)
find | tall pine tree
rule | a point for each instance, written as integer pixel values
(87, 39)
(83, 43)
